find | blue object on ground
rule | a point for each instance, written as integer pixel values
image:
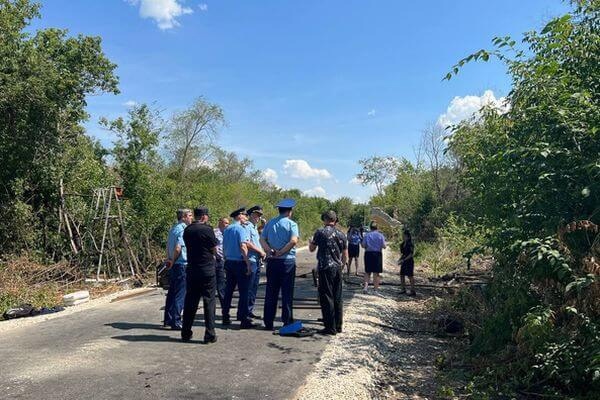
(290, 329)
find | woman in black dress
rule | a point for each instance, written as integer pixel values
(407, 263)
(354, 239)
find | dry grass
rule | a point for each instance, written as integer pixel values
(25, 281)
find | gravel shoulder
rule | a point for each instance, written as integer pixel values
(385, 351)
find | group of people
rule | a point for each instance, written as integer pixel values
(373, 243)
(206, 263)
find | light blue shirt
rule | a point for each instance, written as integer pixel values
(374, 241)
(255, 239)
(176, 238)
(233, 236)
(278, 232)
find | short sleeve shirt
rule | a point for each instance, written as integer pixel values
(374, 241)
(176, 238)
(233, 236)
(407, 248)
(255, 239)
(278, 232)
(200, 241)
(331, 244)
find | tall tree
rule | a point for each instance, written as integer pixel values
(432, 145)
(45, 77)
(378, 171)
(192, 132)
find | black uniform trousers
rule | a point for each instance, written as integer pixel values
(330, 297)
(201, 282)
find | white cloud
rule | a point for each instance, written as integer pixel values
(163, 12)
(130, 103)
(300, 169)
(372, 112)
(317, 191)
(356, 181)
(203, 7)
(462, 108)
(270, 175)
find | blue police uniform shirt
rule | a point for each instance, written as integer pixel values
(176, 238)
(255, 239)
(278, 232)
(233, 236)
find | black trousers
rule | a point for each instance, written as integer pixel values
(330, 297)
(201, 282)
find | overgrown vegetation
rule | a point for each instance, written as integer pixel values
(533, 178)
(521, 184)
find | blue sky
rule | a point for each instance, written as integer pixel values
(308, 87)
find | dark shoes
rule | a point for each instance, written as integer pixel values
(248, 324)
(226, 321)
(326, 332)
(209, 340)
(186, 337)
(176, 327)
(338, 330)
(268, 328)
(253, 316)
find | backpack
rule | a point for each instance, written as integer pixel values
(355, 238)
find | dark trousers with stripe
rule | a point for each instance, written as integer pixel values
(330, 297)
(253, 289)
(236, 275)
(281, 274)
(175, 296)
(201, 283)
(220, 270)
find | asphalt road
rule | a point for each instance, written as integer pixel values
(120, 351)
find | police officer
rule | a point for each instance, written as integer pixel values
(255, 254)
(238, 267)
(201, 279)
(279, 239)
(176, 262)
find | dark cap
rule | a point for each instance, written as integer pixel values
(200, 211)
(255, 209)
(238, 212)
(286, 203)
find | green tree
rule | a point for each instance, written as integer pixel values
(344, 207)
(534, 178)
(45, 77)
(138, 165)
(378, 171)
(191, 134)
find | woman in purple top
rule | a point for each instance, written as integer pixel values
(373, 243)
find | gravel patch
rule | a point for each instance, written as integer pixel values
(386, 351)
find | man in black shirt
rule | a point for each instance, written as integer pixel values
(331, 256)
(201, 243)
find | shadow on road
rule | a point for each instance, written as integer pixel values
(134, 325)
(155, 338)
